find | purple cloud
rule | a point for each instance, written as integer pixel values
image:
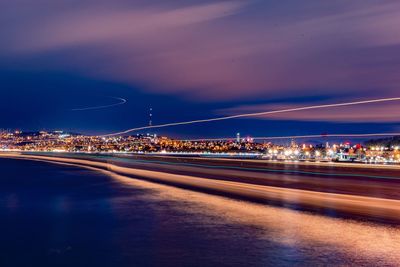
(217, 50)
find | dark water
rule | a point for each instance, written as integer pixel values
(54, 215)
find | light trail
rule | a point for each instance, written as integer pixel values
(216, 167)
(358, 205)
(255, 114)
(297, 136)
(121, 102)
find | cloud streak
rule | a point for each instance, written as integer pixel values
(215, 50)
(101, 25)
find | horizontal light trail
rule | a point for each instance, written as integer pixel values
(297, 136)
(348, 203)
(255, 114)
(121, 102)
(261, 170)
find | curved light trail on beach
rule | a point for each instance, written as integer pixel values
(256, 114)
(122, 101)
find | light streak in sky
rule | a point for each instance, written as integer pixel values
(121, 102)
(256, 114)
(298, 136)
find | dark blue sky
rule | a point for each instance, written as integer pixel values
(198, 59)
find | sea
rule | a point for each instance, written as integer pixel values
(59, 215)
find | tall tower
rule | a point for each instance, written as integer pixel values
(238, 138)
(150, 116)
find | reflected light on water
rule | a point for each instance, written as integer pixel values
(287, 227)
(369, 241)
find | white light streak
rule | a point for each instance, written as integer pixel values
(256, 114)
(357, 135)
(121, 102)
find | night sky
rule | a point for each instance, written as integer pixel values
(194, 59)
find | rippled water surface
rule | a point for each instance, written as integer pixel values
(53, 215)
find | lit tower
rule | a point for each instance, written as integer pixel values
(150, 116)
(238, 137)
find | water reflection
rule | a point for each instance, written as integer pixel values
(322, 236)
(67, 216)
